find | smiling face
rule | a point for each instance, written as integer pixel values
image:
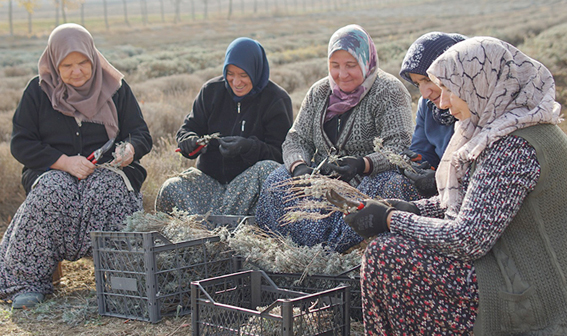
(345, 70)
(239, 81)
(75, 69)
(427, 88)
(458, 107)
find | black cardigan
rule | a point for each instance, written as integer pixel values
(265, 117)
(41, 134)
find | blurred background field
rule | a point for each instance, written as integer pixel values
(166, 58)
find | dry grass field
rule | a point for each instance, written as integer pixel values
(166, 65)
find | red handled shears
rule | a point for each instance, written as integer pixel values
(346, 205)
(97, 154)
(202, 142)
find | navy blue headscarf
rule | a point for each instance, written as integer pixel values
(419, 57)
(248, 55)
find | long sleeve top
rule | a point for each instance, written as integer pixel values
(265, 118)
(505, 173)
(41, 134)
(385, 113)
(430, 138)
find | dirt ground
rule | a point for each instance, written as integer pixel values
(72, 310)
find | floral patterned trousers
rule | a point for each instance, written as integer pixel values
(408, 289)
(54, 224)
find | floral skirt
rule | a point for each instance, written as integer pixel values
(197, 193)
(408, 289)
(332, 231)
(54, 224)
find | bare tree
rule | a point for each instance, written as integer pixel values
(206, 9)
(63, 15)
(125, 5)
(105, 15)
(57, 6)
(229, 8)
(162, 10)
(177, 7)
(193, 9)
(242, 5)
(30, 6)
(10, 19)
(144, 10)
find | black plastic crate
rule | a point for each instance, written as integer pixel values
(317, 283)
(250, 303)
(144, 276)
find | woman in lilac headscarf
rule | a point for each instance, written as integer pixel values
(342, 115)
(78, 103)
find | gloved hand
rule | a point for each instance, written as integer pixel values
(348, 167)
(423, 177)
(188, 146)
(413, 156)
(301, 169)
(370, 220)
(231, 146)
(402, 205)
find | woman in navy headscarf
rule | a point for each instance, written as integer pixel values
(252, 115)
(433, 125)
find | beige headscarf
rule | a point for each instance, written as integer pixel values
(92, 101)
(505, 90)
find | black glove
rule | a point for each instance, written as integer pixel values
(402, 205)
(413, 156)
(301, 169)
(370, 220)
(423, 177)
(188, 146)
(348, 167)
(231, 146)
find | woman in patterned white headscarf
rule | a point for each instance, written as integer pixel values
(489, 252)
(342, 115)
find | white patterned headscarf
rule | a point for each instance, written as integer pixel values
(505, 90)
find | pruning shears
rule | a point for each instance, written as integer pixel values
(346, 205)
(97, 154)
(202, 142)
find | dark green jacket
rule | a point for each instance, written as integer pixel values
(523, 280)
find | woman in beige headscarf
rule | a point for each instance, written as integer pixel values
(488, 254)
(77, 104)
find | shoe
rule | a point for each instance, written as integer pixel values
(27, 300)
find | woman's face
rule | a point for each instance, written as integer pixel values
(427, 88)
(458, 107)
(345, 70)
(75, 69)
(238, 80)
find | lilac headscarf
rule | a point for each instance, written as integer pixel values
(92, 101)
(357, 42)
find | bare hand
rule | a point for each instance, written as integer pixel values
(123, 155)
(77, 166)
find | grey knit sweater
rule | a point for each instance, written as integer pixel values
(385, 112)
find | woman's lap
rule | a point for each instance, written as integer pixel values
(54, 223)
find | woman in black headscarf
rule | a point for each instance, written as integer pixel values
(252, 115)
(77, 104)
